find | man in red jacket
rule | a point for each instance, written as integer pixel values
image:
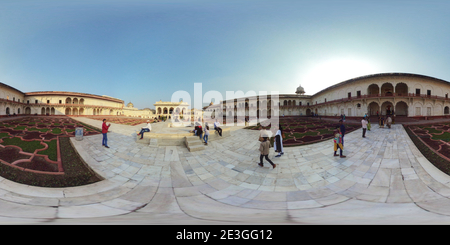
(104, 132)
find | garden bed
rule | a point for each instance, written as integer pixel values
(37, 151)
(303, 131)
(433, 141)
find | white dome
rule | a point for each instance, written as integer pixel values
(300, 90)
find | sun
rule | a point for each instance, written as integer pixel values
(335, 70)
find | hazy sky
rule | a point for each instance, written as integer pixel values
(144, 51)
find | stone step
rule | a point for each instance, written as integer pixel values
(196, 148)
(193, 140)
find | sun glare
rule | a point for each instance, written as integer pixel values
(332, 71)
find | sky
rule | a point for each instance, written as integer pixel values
(144, 51)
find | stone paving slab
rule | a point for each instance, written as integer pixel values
(383, 180)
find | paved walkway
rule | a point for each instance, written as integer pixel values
(383, 180)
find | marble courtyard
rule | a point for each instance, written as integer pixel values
(383, 180)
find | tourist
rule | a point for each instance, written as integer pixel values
(205, 137)
(264, 150)
(217, 127)
(368, 124)
(105, 129)
(364, 127)
(278, 143)
(200, 131)
(388, 122)
(338, 142)
(147, 128)
(381, 122)
(342, 130)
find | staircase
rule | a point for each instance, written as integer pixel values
(194, 143)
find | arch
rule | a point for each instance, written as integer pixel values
(373, 89)
(68, 111)
(387, 89)
(446, 110)
(75, 101)
(165, 110)
(308, 112)
(43, 111)
(28, 110)
(81, 111)
(111, 112)
(171, 110)
(52, 111)
(81, 102)
(386, 108)
(373, 108)
(401, 109)
(159, 110)
(7, 111)
(68, 100)
(75, 111)
(18, 110)
(401, 89)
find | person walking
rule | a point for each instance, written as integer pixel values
(206, 135)
(338, 143)
(364, 127)
(278, 143)
(368, 124)
(105, 129)
(264, 150)
(342, 129)
(147, 128)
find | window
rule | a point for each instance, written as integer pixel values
(417, 91)
(60, 101)
(358, 94)
(35, 101)
(28, 102)
(48, 101)
(428, 92)
(349, 95)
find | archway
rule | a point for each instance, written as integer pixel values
(7, 111)
(68, 111)
(373, 89)
(386, 108)
(28, 110)
(52, 111)
(387, 89)
(308, 112)
(401, 89)
(446, 110)
(373, 108)
(401, 109)
(43, 111)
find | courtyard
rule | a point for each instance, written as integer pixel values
(385, 179)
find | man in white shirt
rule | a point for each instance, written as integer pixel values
(217, 127)
(145, 129)
(364, 127)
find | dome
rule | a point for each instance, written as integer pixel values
(130, 105)
(300, 90)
